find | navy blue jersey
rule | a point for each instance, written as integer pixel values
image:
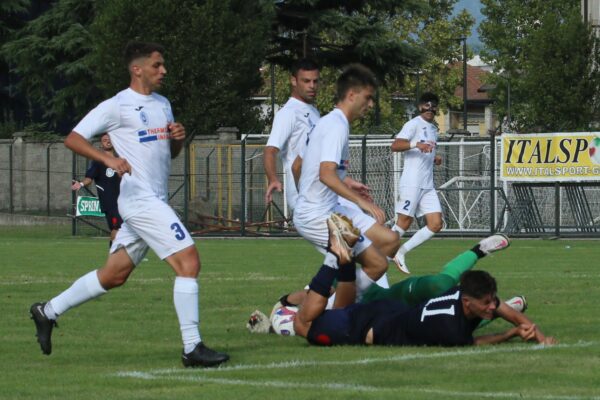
(437, 322)
(107, 184)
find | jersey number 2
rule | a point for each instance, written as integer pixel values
(406, 205)
(179, 233)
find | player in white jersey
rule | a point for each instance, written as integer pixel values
(323, 179)
(418, 141)
(291, 126)
(142, 129)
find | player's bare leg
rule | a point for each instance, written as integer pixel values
(386, 240)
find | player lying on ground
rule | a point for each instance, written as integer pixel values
(447, 320)
(412, 291)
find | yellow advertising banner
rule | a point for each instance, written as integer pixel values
(551, 157)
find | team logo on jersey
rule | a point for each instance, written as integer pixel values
(139, 108)
(110, 172)
(144, 118)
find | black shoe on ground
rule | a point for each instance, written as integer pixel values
(202, 356)
(43, 327)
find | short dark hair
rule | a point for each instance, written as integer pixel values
(305, 64)
(354, 76)
(427, 97)
(478, 284)
(137, 49)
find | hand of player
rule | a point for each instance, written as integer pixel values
(542, 339)
(360, 188)
(119, 165)
(424, 147)
(365, 194)
(548, 340)
(76, 185)
(275, 185)
(373, 209)
(176, 130)
(526, 331)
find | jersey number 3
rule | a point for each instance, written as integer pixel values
(179, 233)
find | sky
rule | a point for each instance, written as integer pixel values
(474, 8)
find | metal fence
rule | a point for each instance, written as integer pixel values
(218, 189)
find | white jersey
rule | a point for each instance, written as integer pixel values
(291, 126)
(137, 126)
(418, 166)
(328, 143)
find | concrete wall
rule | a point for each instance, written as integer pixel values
(35, 177)
(41, 176)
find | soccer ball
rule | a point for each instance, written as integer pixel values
(594, 150)
(282, 320)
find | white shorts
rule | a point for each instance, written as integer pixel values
(157, 227)
(316, 232)
(416, 201)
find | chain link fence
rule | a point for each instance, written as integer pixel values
(218, 188)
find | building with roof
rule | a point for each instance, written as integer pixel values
(481, 118)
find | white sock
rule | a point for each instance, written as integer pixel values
(86, 288)
(422, 235)
(383, 281)
(185, 297)
(49, 311)
(400, 231)
(362, 283)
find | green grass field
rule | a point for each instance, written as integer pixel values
(126, 345)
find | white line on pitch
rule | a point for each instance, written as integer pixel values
(474, 351)
(349, 387)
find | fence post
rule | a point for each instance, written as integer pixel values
(48, 179)
(74, 195)
(10, 179)
(243, 186)
(186, 183)
(557, 209)
(363, 175)
(492, 183)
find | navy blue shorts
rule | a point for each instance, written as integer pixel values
(333, 327)
(113, 219)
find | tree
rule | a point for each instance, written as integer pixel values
(338, 32)
(214, 50)
(394, 38)
(440, 34)
(549, 57)
(70, 57)
(12, 18)
(47, 58)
